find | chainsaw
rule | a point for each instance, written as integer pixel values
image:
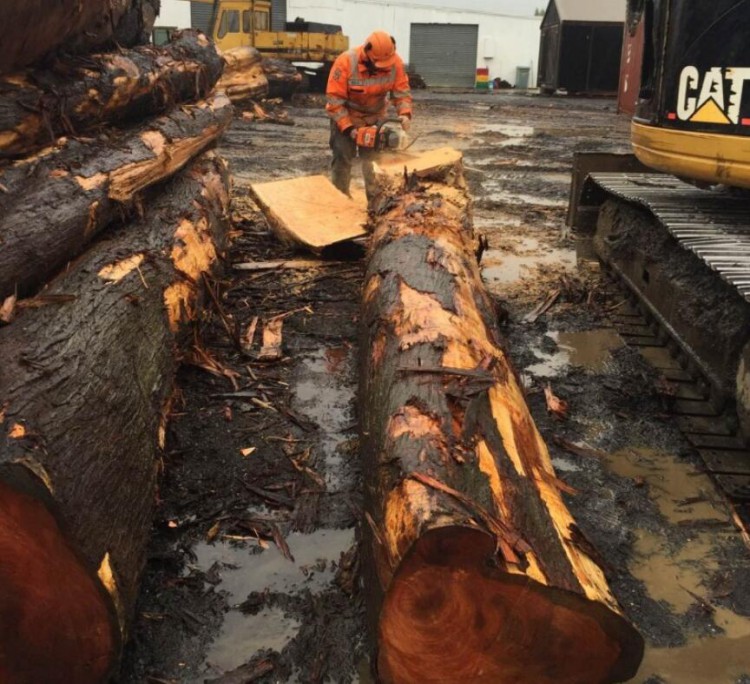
(387, 135)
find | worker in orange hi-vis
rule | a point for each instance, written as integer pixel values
(359, 85)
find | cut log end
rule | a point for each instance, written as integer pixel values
(55, 621)
(503, 627)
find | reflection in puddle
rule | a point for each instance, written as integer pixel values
(246, 572)
(591, 349)
(681, 576)
(323, 393)
(503, 266)
(242, 636)
(242, 573)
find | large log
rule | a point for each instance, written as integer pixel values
(243, 77)
(283, 78)
(35, 28)
(79, 93)
(52, 205)
(84, 394)
(477, 571)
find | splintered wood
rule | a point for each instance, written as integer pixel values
(475, 569)
(310, 211)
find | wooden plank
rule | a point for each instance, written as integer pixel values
(310, 211)
(422, 163)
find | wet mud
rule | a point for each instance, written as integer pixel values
(254, 555)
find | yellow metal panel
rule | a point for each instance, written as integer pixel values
(700, 156)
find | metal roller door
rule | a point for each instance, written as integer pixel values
(201, 14)
(278, 15)
(444, 54)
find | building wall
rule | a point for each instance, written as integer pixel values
(505, 42)
(174, 13)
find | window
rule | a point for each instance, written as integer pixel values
(163, 34)
(247, 23)
(261, 21)
(229, 23)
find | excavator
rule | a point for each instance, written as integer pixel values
(310, 45)
(671, 225)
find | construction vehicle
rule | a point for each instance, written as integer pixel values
(672, 224)
(313, 47)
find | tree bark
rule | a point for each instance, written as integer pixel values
(77, 94)
(283, 78)
(243, 77)
(36, 28)
(53, 204)
(84, 395)
(477, 571)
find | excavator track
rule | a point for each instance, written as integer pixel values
(697, 388)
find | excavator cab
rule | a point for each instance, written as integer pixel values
(693, 114)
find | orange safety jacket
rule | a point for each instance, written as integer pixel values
(356, 98)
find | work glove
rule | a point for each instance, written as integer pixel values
(405, 123)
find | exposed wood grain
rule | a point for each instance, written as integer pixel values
(85, 387)
(310, 211)
(475, 571)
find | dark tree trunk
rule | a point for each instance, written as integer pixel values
(243, 78)
(477, 571)
(52, 205)
(33, 29)
(283, 78)
(88, 371)
(81, 93)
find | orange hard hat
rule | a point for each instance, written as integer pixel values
(380, 47)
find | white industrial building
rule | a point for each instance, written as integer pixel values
(444, 42)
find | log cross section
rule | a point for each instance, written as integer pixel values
(477, 571)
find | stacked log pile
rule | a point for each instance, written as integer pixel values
(477, 571)
(113, 210)
(244, 77)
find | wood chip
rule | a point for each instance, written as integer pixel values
(288, 264)
(272, 340)
(556, 406)
(8, 309)
(247, 338)
(249, 451)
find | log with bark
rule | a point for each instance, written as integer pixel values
(88, 371)
(53, 204)
(79, 93)
(283, 78)
(243, 77)
(33, 29)
(477, 571)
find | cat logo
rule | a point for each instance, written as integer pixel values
(714, 97)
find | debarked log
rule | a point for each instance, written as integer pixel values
(53, 204)
(88, 373)
(35, 28)
(475, 570)
(79, 93)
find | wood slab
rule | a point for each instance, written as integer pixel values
(310, 211)
(423, 163)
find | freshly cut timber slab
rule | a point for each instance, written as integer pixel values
(56, 202)
(80, 93)
(422, 164)
(88, 371)
(475, 570)
(35, 28)
(310, 211)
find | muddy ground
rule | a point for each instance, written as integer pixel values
(253, 560)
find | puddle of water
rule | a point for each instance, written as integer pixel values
(242, 636)
(243, 573)
(501, 267)
(247, 572)
(511, 130)
(323, 393)
(676, 576)
(591, 349)
(523, 198)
